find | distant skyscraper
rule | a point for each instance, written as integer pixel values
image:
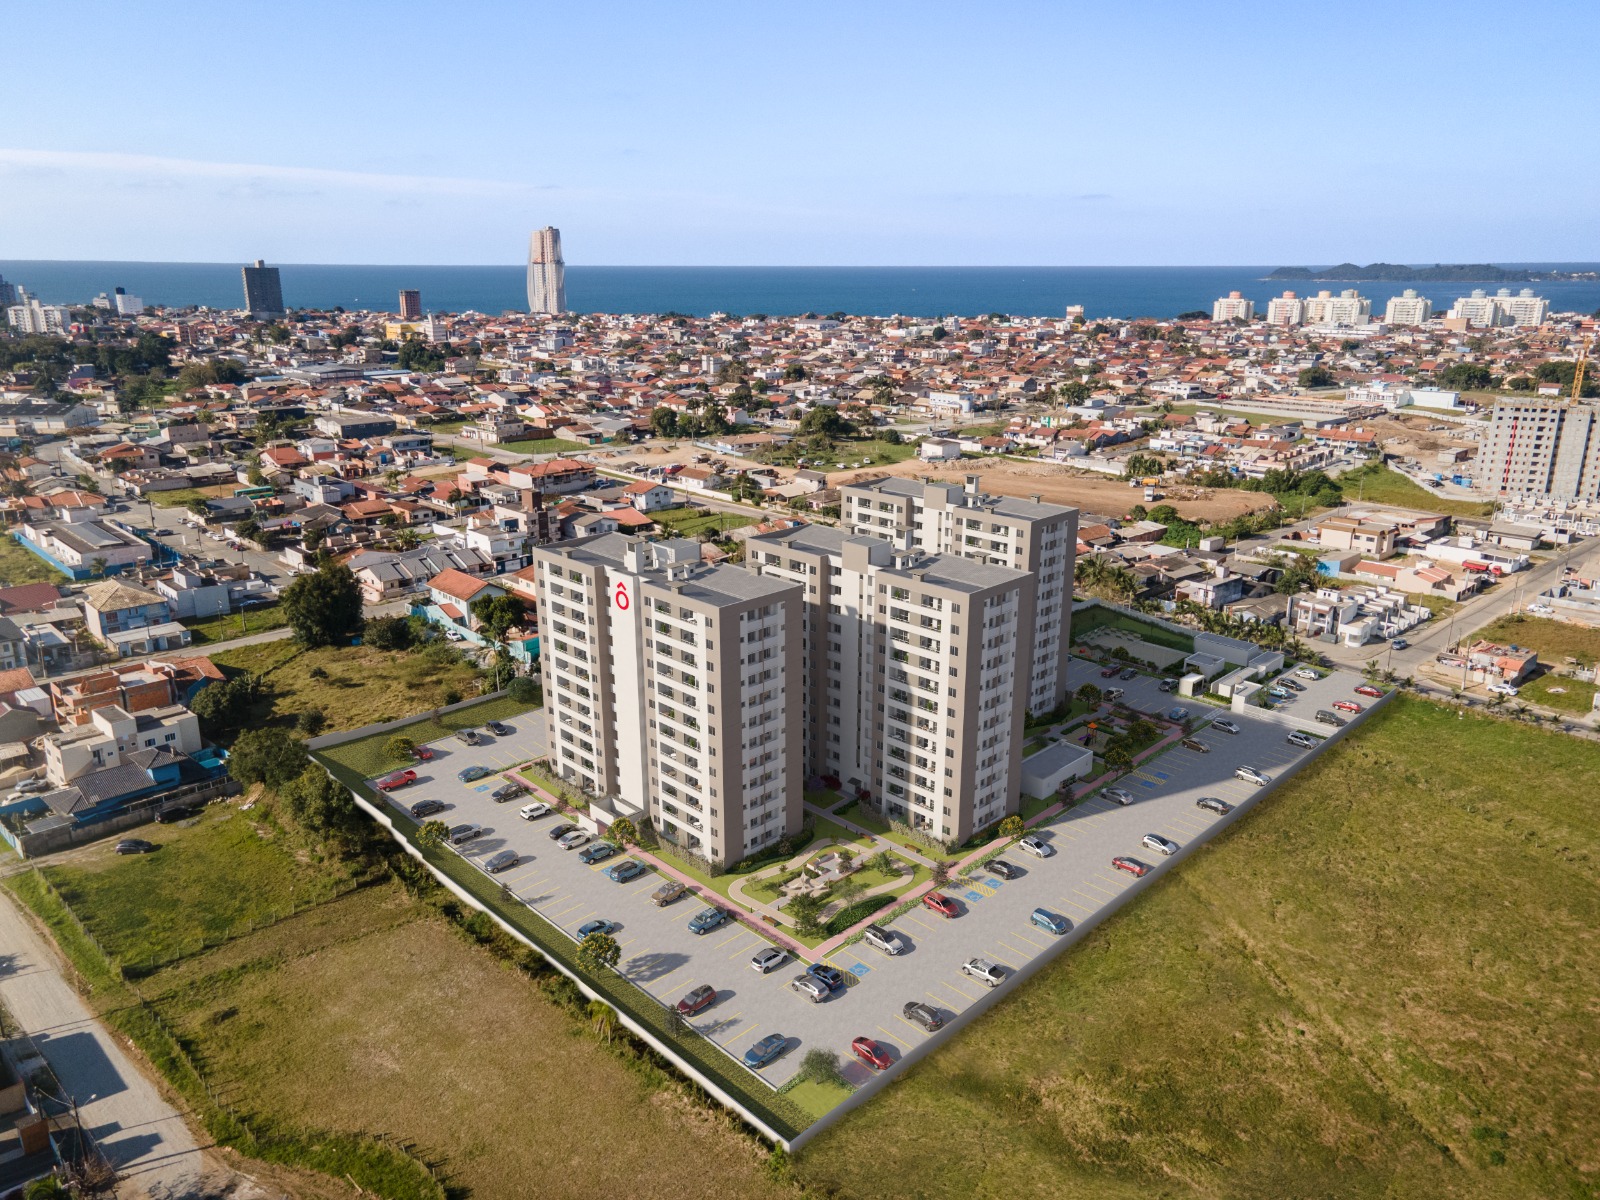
(1408, 308)
(8, 293)
(263, 293)
(1287, 309)
(1233, 307)
(410, 304)
(547, 274)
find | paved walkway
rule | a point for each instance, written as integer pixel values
(142, 1135)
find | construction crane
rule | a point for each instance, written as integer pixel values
(1578, 368)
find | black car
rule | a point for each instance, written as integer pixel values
(168, 816)
(561, 831)
(830, 977)
(509, 791)
(135, 846)
(1290, 684)
(1127, 675)
(1004, 869)
(498, 728)
(923, 1014)
(426, 808)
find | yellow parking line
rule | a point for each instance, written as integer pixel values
(1003, 960)
(568, 909)
(1024, 938)
(910, 1025)
(736, 933)
(962, 992)
(1094, 901)
(1076, 905)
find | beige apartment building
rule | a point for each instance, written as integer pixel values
(665, 689)
(1022, 535)
(915, 673)
(1546, 449)
(1375, 539)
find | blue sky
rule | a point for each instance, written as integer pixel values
(872, 132)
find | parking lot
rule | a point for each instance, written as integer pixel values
(1077, 882)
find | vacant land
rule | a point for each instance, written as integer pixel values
(206, 630)
(1560, 693)
(1554, 640)
(1381, 984)
(180, 497)
(1380, 485)
(18, 565)
(352, 686)
(695, 522)
(543, 446)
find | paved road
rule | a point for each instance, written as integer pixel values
(142, 1135)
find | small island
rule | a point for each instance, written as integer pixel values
(1348, 272)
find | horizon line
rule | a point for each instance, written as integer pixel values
(1305, 265)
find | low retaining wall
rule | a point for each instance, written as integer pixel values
(355, 735)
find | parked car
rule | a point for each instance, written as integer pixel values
(1178, 715)
(811, 988)
(461, 834)
(469, 736)
(598, 852)
(831, 977)
(1004, 869)
(598, 925)
(1366, 689)
(768, 959)
(28, 786)
(1501, 689)
(1167, 685)
(1330, 718)
(1036, 846)
(571, 841)
(472, 774)
(1349, 706)
(1127, 675)
(883, 939)
(426, 808)
(1196, 745)
(1251, 775)
(422, 754)
(922, 1014)
(667, 893)
(1131, 865)
(532, 812)
(501, 861)
(498, 728)
(940, 903)
(1306, 673)
(134, 846)
(557, 832)
(624, 871)
(1302, 739)
(1161, 845)
(984, 971)
(170, 816)
(1278, 693)
(1212, 804)
(1118, 795)
(508, 791)
(871, 1053)
(1108, 672)
(1050, 922)
(697, 1000)
(1400, 643)
(1291, 684)
(764, 1051)
(706, 920)
(1111, 695)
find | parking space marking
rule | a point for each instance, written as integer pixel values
(1024, 938)
(1022, 955)
(946, 1000)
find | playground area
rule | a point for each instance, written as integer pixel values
(1138, 650)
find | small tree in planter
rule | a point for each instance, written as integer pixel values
(1012, 827)
(624, 832)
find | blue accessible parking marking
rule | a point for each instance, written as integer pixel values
(482, 787)
(995, 882)
(859, 969)
(1160, 774)
(1148, 784)
(973, 897)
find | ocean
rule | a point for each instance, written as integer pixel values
(779, 291)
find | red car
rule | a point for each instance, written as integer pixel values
(1131, 865)
(422, 754)
(396, 779)
(869, 1052)
(940, 904)
(1108, 672)
(701, 997)
(1366, 689)
(1348, 706)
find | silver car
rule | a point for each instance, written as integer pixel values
(1118, 795)
(502, 861)
(769, 959)
(1037, 847)
(812, 989)
(981, 969)
(883, 939)
(572, 840)
(1154, 841)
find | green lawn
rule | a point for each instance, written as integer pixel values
(177, 497)
(1380, 485)
(359, 685)
(206, 630)
(1554, 640)
(696, 522)
(19, 565)
(1575, 695)
(368, 757)
(544, 446)
(1100, 617)
(1377, 985)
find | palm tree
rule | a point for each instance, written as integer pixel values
(603, 1020)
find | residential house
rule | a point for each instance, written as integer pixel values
(111, 733)
(130, 619)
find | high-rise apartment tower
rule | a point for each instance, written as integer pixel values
(410, 304)
(547, 273)
(263, 292)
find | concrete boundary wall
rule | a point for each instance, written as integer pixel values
(355, 735)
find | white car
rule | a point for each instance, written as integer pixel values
(532, 812)
(1118, 795)
(1303, 740)
(985, 971)
(1251, 775)
(1502, 689)
(1307, 673)
(1037, 848)
(1154, 841)
(769, 959)
(573, 840)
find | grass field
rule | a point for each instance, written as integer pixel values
(1380, 485)
(696, 522)
(206, 630)
(1554, 640)
(1575, 696)
(544, 446)
(1379, 985)
(361, 685)
(18, 566)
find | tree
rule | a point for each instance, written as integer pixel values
(1089, 694)
(747, 489)
(1464, 376)
(199, 506)
(665, 422)
(97, 567)
(400, 747)
(806, 909)
(47, 1188)
(388, 633)
(597, 952)
(324, 608)
(826, 421)
(822, 1066)
(226, 705)
(496, 615)
(624, 832)
(268, 756)
(321, 805)
(418, 355)
(1117, 756)
(524, 689)
(1315, 377)
(432, 834)
(1012, 827)
(311, 722)
(603, 1020)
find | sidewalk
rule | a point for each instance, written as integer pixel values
(142, 1135)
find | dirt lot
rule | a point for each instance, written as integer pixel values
(1412, 435)
(1009, 477)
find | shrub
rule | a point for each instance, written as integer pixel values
(400, 747)
(851, 914)
(311, 722)
(451, 696)
(1011, 827)
(524, 689)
